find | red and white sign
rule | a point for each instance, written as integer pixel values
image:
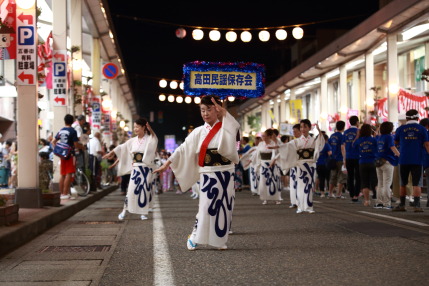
(59, 77)
(26, 45)
(8, 30)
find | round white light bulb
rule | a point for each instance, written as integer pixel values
(171, 98)
(197, 100)
(162, 83)
(297, 33)
(197, 34)
(188, 99)
(246, 36)
(231, 36)
(214, 35)
(173, 84)
(231, 98)
(264, 36)
(161, 97)
(179, 99)
(181, 85)
(281, 34)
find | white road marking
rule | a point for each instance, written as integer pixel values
(163, 270)
(396, 218)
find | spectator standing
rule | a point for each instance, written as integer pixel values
(322, 167)
(95, 156)
(387, 155)
(367, 153)
(79, 153)
(337, 177)
(425, 123)
(67, 135)
(411, 138)
(5, 164)
(351, 158)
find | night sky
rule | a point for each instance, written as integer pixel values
(151, 50)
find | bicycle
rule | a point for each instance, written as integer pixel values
(80, 182)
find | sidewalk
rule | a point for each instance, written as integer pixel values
(33, 222)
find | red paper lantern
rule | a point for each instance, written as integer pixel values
(180, 33)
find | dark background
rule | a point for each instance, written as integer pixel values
(150, 49)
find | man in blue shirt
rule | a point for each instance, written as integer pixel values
(425, 160)
(411, 138)
(351, 158)
(337, 177)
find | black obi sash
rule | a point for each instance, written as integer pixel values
(305, 154)
(213, 158)
(265, 155)
(137, 157)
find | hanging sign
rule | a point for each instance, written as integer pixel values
(296, 109)
(7, 30)
(96, 112)
(224, 79)
(59, 77)
(26, 46)
(110, 70)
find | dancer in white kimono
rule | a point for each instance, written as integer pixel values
(137, 155)
(208, 155)
(248, 162)
(269, 177)
(302, 153)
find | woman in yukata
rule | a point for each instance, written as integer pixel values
(208, 155)
(137, 155)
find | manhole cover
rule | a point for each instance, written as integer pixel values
(99, 222)
(90, 248)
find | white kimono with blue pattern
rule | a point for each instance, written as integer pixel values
(217, 194)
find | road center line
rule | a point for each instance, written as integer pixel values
(163, 270)
(396, 218)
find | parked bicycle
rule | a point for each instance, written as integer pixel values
(80, 182)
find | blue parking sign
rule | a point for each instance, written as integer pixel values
(26, 35)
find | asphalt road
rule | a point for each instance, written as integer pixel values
(341, 244)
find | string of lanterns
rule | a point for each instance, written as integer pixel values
(187, 99)
(245, 36)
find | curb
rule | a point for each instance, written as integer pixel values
(22, 232)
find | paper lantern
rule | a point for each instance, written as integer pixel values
(197, 100)
(246, 36)
(179, 99)
(281, 34)
(297, 33)
(180, 33)
(161, 97)
(173, 84)
(162, 83)
(214, 35)
(264, 36)
(231, 36)
(197, 34)
(188, 99)
(170, 98)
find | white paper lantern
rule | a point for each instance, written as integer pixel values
(179, 99)
(197, 34)
(264, 36)
(161, 97)
(297, 33)
(214, 35)
(281, 34)
(231, 36)
(197, 100)
(173, 84)
(246, 36)
(180, 33)
(170, 98)
(162, 83)
(188, 99)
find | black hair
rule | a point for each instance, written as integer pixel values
(269, 132)
(365, 130)
(305, 122)
(276, 131)
(297, 126)
(245, 139)
(44, 142)
(207, 100)
(424, 122)
(340, 125)
(353, 120)
(284, 138)
(142, 122)
(68, 119)
(44, 155)
(387, 127)
(412, 114)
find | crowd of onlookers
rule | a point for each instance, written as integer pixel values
(8, 162)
